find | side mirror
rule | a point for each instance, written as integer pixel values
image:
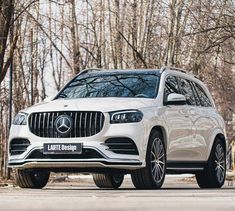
(175, 99)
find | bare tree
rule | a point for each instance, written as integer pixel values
(6, 20)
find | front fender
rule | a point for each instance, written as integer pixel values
(217, 132)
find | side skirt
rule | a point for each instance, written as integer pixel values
(180, 167)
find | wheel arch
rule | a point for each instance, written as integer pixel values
(162, 130)
(219, 135)
(222, 138)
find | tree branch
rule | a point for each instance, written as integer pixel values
(52, 42)
(138, 54)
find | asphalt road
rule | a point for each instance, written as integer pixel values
(81, 194)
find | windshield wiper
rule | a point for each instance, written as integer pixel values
(62, 95)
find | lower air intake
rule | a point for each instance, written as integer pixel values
(122, 146)
(18, 146)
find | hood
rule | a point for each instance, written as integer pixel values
(91, 104)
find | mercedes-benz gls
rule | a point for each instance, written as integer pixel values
(110, 123)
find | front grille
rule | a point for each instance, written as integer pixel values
(122, 146)
(18, 146)
(85, 123)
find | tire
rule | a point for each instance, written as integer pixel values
(213, 176)
(35, 179)
(152, 176)
(108, 180)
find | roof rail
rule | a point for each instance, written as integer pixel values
(177, 69)
(89, 70)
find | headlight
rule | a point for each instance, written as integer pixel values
(125, 116)
(20, 119)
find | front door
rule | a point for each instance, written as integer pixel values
(179, 122)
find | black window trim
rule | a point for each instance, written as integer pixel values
(189, 81)
(194, 89)
(177, 81)
(196, 93)
(201, 88)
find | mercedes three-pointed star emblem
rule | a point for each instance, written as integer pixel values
(63, 124)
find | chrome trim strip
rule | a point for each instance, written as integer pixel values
(64, 164)
(186, 169)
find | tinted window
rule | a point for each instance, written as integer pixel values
(171, 86)
(186, 90)
(107, 85)
(202, 96)
(198, 102)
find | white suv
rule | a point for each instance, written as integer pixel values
(110, 123)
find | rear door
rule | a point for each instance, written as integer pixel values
(204, 123)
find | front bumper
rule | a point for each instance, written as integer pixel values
(108, 159)
(55, 162)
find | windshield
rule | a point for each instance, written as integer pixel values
(107, 85)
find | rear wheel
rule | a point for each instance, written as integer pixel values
(152, 176)
(36, 179)
(108, 180)
(213, 176)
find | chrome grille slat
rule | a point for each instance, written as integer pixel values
(35, 124)
(48, 123)
(43, 124)
(71, 134)
(39, 124)
(95, 122)
(80, 125)
(75, 124)
(100, 121)
(90, 125)
(85, 123)
(52, 124)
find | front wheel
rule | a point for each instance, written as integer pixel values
(35, 179)
(152, 176)
(213, 176)
(108, 180)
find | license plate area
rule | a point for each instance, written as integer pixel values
(62, 148)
